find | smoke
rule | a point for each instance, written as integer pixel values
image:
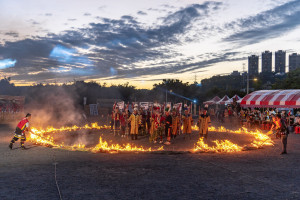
(54, 106)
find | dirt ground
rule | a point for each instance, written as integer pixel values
(257, 174)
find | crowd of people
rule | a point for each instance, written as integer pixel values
(275, 121)
(158, 123)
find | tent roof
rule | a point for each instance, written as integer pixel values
(272, 98)
(223, 100)
(212, 101)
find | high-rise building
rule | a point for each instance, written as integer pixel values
(294, 61)
(280, 61)
(266, 62)
(253, 65)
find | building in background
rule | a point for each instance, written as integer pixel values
(294, 61)
(266, 62)
(235, 73)
(280, 58)
(253, 66)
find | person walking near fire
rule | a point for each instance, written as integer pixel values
(21, 128)
(204, 121)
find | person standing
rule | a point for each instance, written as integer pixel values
(135, 121)
(187, 121)
(158, 128)
(117, 121)
(21, 128)
(123, 122)
(204, 122)
(168, 127)
(281, 128)
(175, 123)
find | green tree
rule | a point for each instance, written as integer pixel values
(292, 81)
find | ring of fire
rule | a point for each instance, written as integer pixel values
(42, 137)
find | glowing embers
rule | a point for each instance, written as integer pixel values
(260, 140)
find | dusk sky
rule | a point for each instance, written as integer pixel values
(139, 41)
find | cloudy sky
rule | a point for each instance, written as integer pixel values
(139, 41)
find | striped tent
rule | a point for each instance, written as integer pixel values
(212, 101)
(272, 98)
(235, 97)
(223, 100)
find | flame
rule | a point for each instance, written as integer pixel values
(42, 137)
(51, 129)
(104, 146)
(260, 140)
(221, 146)
(38, 136)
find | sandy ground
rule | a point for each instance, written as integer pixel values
(258, 174)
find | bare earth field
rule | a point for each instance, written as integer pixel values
(257, 174)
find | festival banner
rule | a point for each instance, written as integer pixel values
(144, 105)
(178, 107)
(93, 109)
(151, 104)
(121, 105)
(169, 105)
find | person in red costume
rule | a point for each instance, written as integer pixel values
(21, 128)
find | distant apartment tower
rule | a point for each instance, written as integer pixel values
(266, 62)
(253, 65)
(294, 61)
(235, 73)
(280, 61)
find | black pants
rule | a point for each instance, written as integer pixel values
(168, 131)
(284, 142)
(16, 137)
(133, 136)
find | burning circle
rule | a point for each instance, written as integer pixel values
(42, 137)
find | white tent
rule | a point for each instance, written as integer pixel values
(235, 97)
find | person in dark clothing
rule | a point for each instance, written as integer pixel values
(168, 127)
(281, 127)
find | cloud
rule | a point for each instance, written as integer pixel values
(7, 63)
(48, 14)
(141, 13)
(101, 7)
(110, 48)
(73, 19)
(266, 25)
(12, 34)
(87, 14)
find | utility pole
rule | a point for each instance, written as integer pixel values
(248, 82)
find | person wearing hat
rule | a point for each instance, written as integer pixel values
(135, 121)
(187, 122)
(21, 128)
(204, 121)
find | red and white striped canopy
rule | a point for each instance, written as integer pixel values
(235, 97)
(272, 98)
(212, 101)
(223, 100)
